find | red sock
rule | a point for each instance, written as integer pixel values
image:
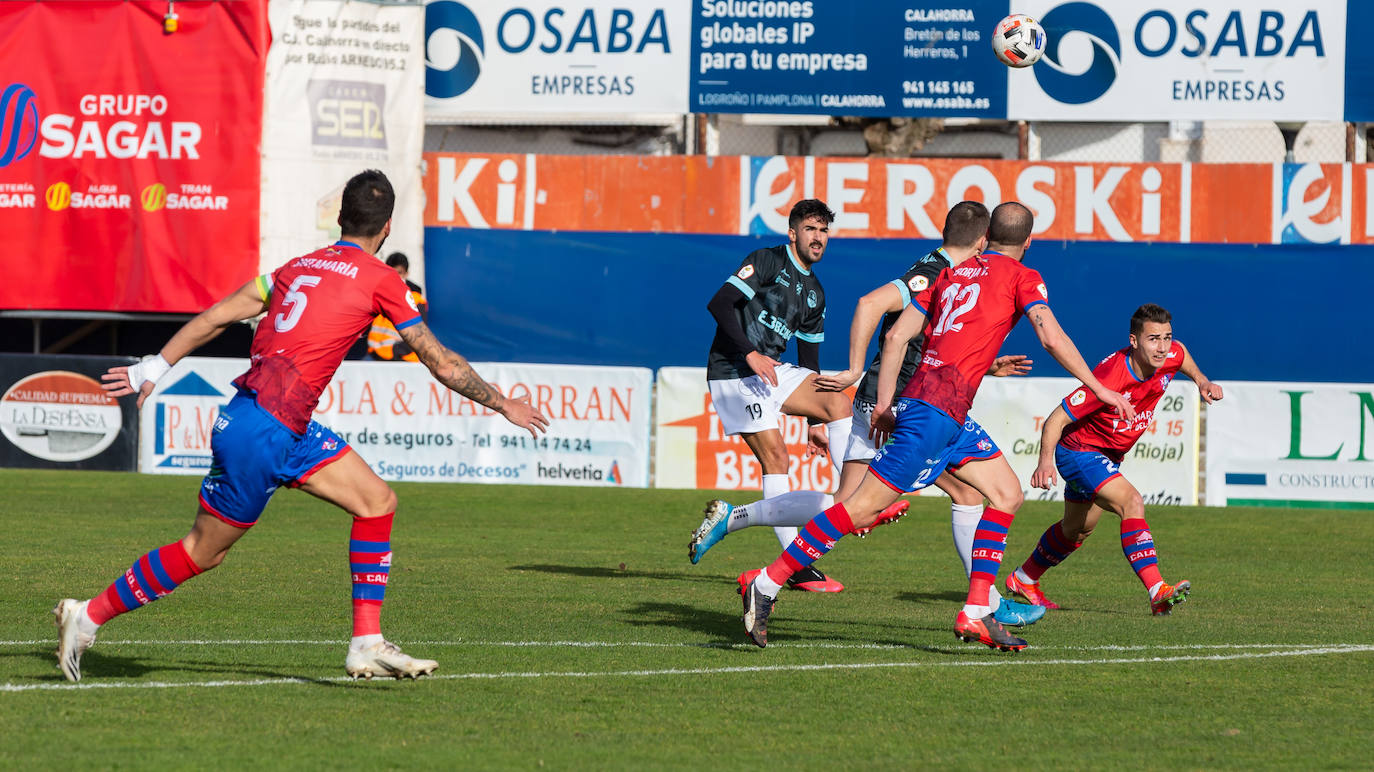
(1053, 548)
(150, 577)
(989, 542)
(1138, 545)
(369, 558)
(814, 540)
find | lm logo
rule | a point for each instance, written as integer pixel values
(454, 49)
(18, 123)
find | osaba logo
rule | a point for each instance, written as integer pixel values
(59, 196)
(153, 197)
(454, 49)
(1079, 88)
(18, 123)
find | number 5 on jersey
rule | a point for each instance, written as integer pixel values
(294, 302)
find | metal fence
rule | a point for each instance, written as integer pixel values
(729, 134)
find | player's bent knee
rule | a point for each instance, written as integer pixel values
(381, 500)
(1007, 500)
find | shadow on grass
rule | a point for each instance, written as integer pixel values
(104, 666)
(948, 596)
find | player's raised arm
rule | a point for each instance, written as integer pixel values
(868, 314)
(1059, 346)
(1210, 392)
(451, 369)
(244, 303)
(1050, 434)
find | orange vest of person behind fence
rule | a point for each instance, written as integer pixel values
(385, 343)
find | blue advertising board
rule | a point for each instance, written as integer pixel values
(873, 58)
(640, 298)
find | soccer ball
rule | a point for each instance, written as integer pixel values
(1018, 40)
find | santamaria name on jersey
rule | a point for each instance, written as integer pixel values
(337, 266)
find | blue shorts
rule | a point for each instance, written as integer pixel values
(1084, 472)
(924, 444)
(253, 454)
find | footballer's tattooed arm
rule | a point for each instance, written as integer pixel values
(452, 369)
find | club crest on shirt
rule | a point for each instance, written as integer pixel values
(1044, 293)
(811, 299)
(1077, 398)
(918, 283)
(746, 271)
(410, 298)
(1164, 381)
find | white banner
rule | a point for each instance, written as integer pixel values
(1282, 60)
(1292, 444)
(1162, 465)
(344, 85)
(693, 452)
(407, 426)
(576, 61)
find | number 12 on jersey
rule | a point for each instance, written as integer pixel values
(965, 296)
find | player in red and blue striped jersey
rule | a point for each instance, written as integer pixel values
(1087, 443)
(971, 309)
(316, 305)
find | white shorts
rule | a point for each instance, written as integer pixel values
(750, 405)
(859, 447)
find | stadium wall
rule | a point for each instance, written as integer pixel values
(639, 299)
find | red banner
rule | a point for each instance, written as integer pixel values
(129, 163)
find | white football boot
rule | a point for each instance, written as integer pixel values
(386, 659)
(71, 641)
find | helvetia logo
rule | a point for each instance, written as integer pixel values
(18, 123)
(1083, 87)
(454, 49)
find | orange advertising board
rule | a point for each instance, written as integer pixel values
(901, 198)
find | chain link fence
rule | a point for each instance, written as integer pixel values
(728, 134)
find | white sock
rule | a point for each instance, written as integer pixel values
(360, 642)
(765, 584)
(976, 612)
(1022, 577)
(963, 522)
(796, 508)
(837, 434)
(994, 598)
(84, 623)
(776, 485)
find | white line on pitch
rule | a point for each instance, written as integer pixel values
(981, 662)
(683, 645)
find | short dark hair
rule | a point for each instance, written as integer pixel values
(809, 207)
(398, 260)
(368, 201)
(1011, 223)
(1148, 313)
(966, 222)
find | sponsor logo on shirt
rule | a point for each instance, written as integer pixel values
(746, 271)
(918, 283)
(1044, 293)
(1078, 397)
(410, 298)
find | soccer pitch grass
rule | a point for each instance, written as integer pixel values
(572, 632)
